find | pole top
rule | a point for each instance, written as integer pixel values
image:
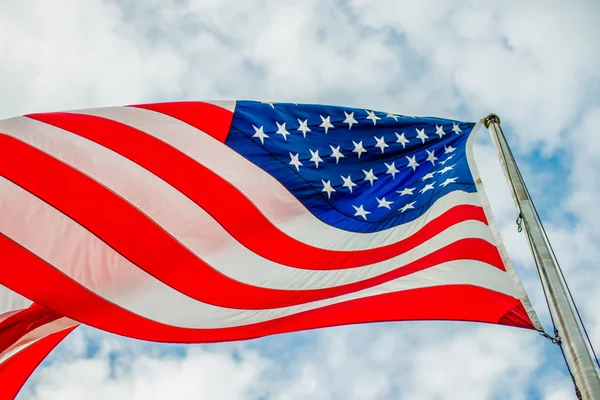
(492, 118)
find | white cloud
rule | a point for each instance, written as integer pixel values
(136, 373)
(532, 62)
(529, 61)
(417, 362)
(366, 362)
(74, 55)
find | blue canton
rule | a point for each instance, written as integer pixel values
(358, 170)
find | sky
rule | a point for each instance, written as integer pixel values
(532, 62)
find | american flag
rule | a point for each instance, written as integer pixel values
(214, 221)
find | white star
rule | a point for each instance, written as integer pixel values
(392, 169)
(449, 149)
(295, 161)
(390, 115)
(281, 130)
(372, 117)
(401, 139)
(381, 143)
(315, 158)
(408, 206)
(427, 187)
(327, 188)
(439, 130)
(421, 135)
(446, 160)
(428, 176)
(448, 181)
(358, 148)
(431, 157)
(350, 119)
(455, 128)
(406, 191)
(446, 169)
(412, 162)
(370, 176)
(303, 127)
(361, 212)
(337, 154)
(348, 182)
(326, 123)
(259, 133)
(383, 203)
(271, 104)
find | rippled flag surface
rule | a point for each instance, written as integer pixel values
(202, 222)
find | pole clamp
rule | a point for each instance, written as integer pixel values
(554, 339)
(519, 222)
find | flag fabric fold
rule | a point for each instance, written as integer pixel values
(28, 332)
(213, 221)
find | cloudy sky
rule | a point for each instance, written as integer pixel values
(533, 62)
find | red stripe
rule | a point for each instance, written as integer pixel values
(209, 118)
(23, 322)
(146, 245)
(17, 369)
(453, 302)
(230, 207)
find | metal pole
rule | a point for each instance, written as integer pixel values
(575, 348)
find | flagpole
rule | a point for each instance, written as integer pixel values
(575, 349)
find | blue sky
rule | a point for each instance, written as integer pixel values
(533, 62)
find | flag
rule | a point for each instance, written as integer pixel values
(200, 222)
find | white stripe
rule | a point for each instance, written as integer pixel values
(487, 208)
(264, 273)
(11, 301)
(73, 250)
(196, 229)
(276, 203)
(33, 336)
